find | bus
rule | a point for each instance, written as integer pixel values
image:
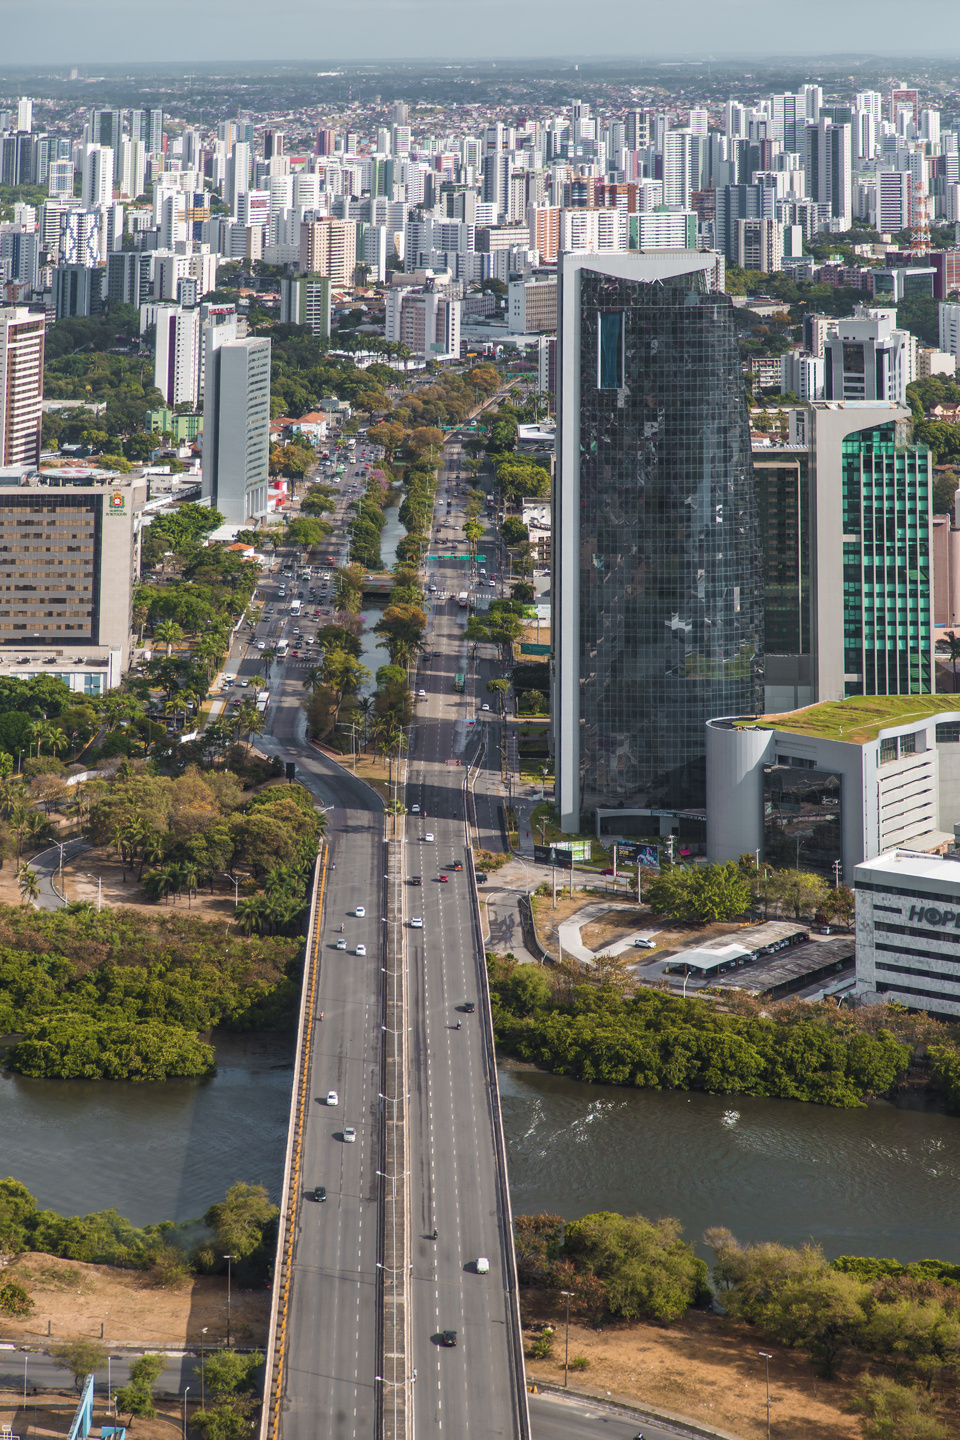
(281, 649)
(459, 682)
(463, 599)
(295, 607)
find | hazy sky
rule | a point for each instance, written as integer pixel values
(64, 32)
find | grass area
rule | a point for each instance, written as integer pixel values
(859, 719)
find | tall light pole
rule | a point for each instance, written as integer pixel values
(186, 1391)
(568, 1295)
(766, 1356)
(229, 1259)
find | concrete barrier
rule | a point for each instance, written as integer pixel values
(289, 1200)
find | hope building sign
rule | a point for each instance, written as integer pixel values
(931, 915)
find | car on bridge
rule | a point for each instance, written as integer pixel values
(320, 1192)
(482, 1265)
(333, 1098)
(349, 1135)
(416, 922)
(360, 912)
(469, 1006)
(448, 1339)
(341, 943)
(361, 949)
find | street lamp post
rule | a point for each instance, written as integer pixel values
(229, 1259)
(767, 1356)
(186, 1391)
(568, 1295)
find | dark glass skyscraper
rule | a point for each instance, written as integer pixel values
(657, 571)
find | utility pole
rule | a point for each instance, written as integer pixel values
(837, 869)
(229, 1259)
(767, 1357)
(566, 1347)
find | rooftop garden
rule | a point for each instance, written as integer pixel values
(859, 719)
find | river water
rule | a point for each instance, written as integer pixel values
(878, 1181)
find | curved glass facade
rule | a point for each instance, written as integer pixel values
(670, 580)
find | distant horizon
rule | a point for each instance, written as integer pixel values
(651, 59)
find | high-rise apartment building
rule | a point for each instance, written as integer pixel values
(425, 320)
(544, 224)
(844, 522)
(236, 429)
(147, 125)
(329, 247)
(60, 178)
(176, 368)
(656, 559)
(21, 386)
(829, 161)
(68, 561)
(305, 300)
(97, 179)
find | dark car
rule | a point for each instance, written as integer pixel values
(416, 880)
(448, 1338)
(481, 878)
(320, 1192)
(469, 1006)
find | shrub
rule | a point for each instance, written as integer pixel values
(14, 1300)
(579, 1362)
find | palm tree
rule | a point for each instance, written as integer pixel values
(250, 914)
(37, 828)
(28, 884)
(168, 632)
(40, 731)
(57, 739)
(951, 643)
(498, 688)
(396, 808)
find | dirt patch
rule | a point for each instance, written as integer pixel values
(80, 878)
(71, 1299)
(704, 1367)
(615, 925)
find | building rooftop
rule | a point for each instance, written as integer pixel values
(858, 720)
(944, 870)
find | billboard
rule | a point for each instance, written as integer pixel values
(563, 852)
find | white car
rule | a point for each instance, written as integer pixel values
(646, 944)
(484, 706)
(261, 644)
(429, 837)
(417, 922)
(361, 949)
(414, 809)
(333, 1098)
(360, 912)
(341, 943)
(349, 1135)
(421, 694)
(244, 684)
(483, 1265)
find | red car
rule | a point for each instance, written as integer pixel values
(444, 880)
(609, 870)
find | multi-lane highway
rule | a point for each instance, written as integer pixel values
(470, 1389)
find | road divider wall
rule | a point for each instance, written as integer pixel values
(290, 1196)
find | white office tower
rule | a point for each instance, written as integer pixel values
(871, 101)
(60, 178)
(97, 179)
(306, 191)
(218, 324)
(253, 208)
(237, 179)
(236, 429)
(147, 125)
(426, 321)
(950, 328)
(280, 192)
(132, 168)
(24, 113)
(801, 375)
(869, 359)
(110, 221)
(377, 246)
(734, 120)
(176, 370)
(677, 168)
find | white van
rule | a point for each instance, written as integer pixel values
(483, 1265)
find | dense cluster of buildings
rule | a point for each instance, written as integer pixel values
(722, 603)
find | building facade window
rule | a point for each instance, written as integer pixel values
(802, 816)
(611, 350)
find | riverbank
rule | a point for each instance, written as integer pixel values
(73, 1300)
(703, 1368)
